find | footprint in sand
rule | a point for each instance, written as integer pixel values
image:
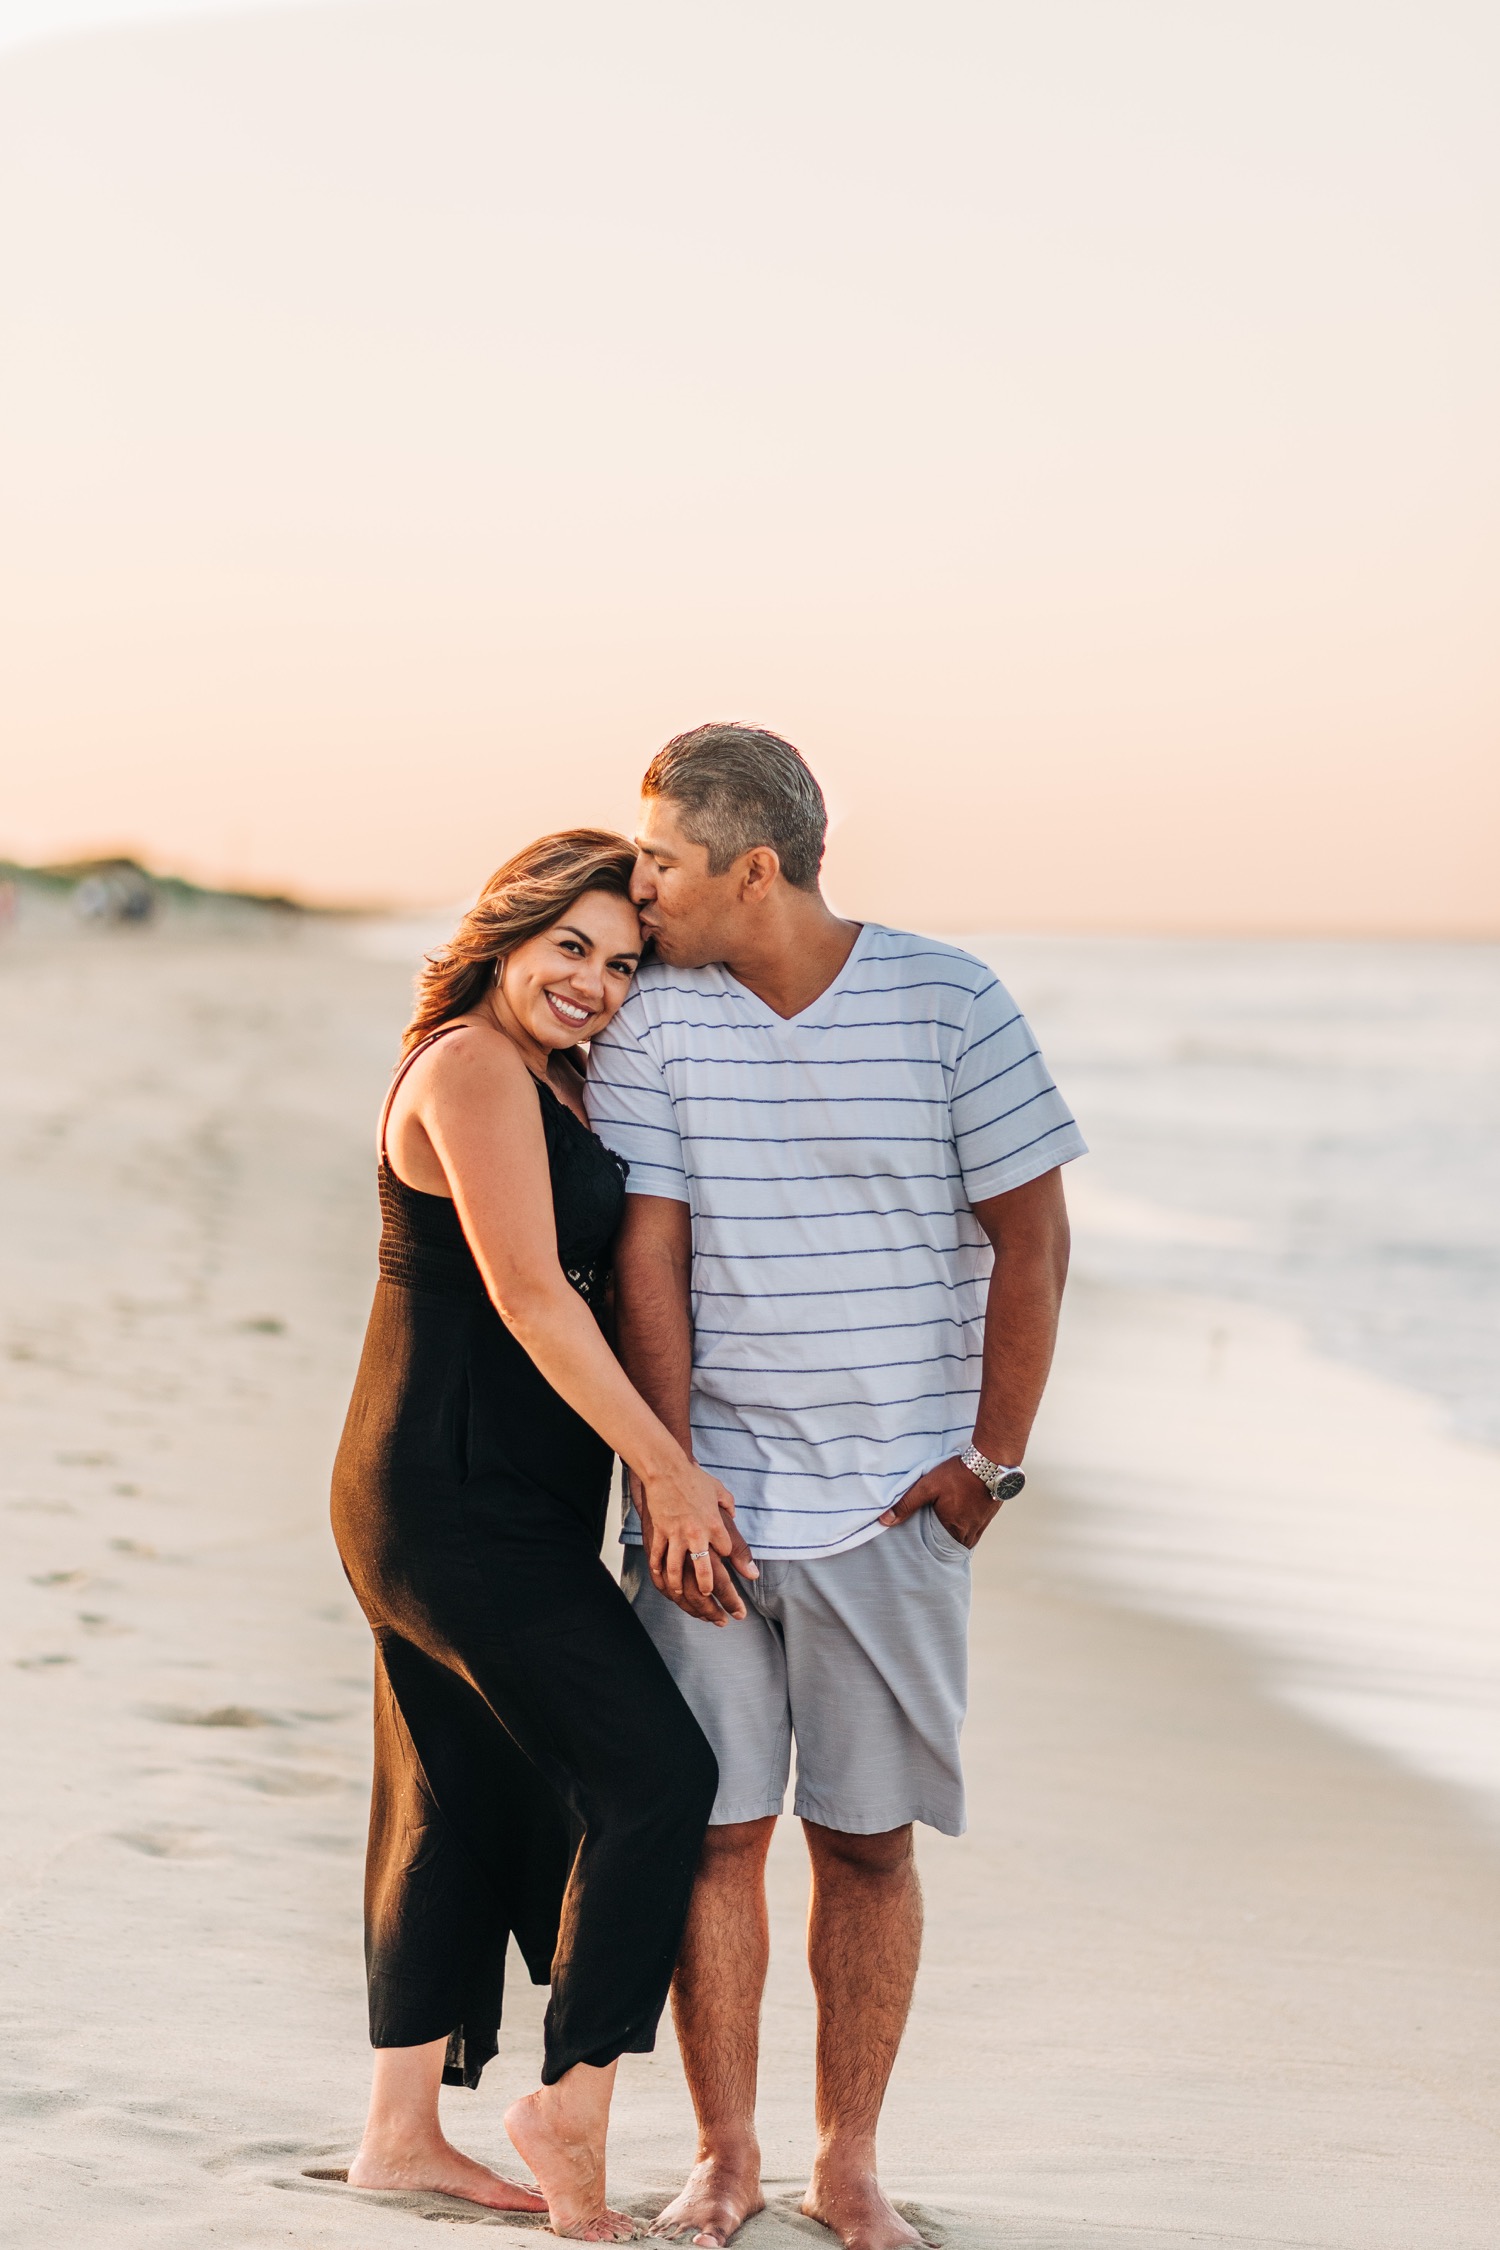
(165, 1842)
(223, 1715)
(287, 1781)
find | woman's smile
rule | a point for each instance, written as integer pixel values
(571, 1012)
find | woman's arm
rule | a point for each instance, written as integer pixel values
(475, 1103)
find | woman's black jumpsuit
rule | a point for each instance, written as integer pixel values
(536, 1769)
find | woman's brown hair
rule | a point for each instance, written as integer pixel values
(520, 900)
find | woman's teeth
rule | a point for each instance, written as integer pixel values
(569, 1010)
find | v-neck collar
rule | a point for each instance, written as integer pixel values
(798, 1021)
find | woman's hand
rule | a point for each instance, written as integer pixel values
(688, 1520)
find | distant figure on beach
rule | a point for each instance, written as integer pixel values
(838, 1284)
(537, 1771)
(116, 891)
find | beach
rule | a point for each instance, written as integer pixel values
(1219, 1959)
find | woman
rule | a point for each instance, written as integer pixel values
(536, 1770)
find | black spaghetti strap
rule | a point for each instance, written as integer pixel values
(402, 1068)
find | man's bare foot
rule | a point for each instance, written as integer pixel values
(848, 2199)
(569, 2171)
(436, 2167)
(722, 2192)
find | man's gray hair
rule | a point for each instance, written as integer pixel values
(738, 786)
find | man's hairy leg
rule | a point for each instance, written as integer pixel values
(716, 1996)
(864, 1939)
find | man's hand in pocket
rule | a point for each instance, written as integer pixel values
(963, 1505)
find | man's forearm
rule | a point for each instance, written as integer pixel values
(1020, 1330)
(653, 1302)
(653, 1273)
(1029, 1231)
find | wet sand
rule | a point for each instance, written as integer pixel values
(1202, 1971)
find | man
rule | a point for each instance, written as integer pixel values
(838, 1284)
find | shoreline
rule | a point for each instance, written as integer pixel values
(1223, 1472)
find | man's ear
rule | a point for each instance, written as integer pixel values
(758, 872)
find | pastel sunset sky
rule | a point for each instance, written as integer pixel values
(1073, 424)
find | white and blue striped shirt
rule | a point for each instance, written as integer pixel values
(829, 1162)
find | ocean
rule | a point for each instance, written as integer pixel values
(1312, 1126)
(1309, 1131)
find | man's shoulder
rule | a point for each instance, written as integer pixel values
(924, 962)
(661, 979)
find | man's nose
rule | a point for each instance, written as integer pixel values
(642, 886)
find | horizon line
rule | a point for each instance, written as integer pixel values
(1145, 932)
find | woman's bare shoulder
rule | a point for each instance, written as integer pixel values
(471, 1060)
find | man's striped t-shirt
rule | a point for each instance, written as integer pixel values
(829, 1163)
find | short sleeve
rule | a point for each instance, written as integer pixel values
(631, 1110)
(1010, 1123)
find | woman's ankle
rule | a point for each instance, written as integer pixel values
(391, 2137)
(581, 2097)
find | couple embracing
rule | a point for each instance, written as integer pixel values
(680, 1166)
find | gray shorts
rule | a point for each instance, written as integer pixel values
(861, 1658)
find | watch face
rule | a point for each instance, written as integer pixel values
(1010, 1485)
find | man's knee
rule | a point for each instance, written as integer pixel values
(888, 1853)
(736, 1849)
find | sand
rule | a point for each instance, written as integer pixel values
(1203, 1971)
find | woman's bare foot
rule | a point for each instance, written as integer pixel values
(721, 2193)
(848, 2199)
(564, 2145)
(405, 2150)
(433, 2165)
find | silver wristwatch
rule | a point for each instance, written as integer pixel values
(1000, 1483)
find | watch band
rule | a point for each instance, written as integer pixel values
(1001, 1482)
